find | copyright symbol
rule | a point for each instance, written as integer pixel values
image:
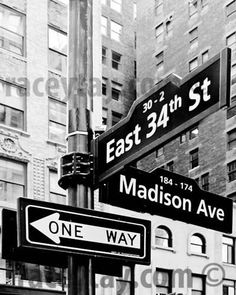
(215, 274)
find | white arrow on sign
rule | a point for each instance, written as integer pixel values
(55, 229)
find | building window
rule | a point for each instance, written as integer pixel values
(116, 60)
(205, 56)
(233, 74)
(23, 274)
(104, 55)
(12, 30)
(231, 139)
(228, 248)
(194, 159)
(163, 236)
(57, 120)
(192, 7)
(193, 38)
(197, 244)
(104, 25)
(205, 181)
(232, 171)
(57, 50)
(12, 180)
(182, 138)
(193, 133)
(163, 281)
(159, 33)
(12, 105)
(170, 166)
(160, 62)
(193, 64)
(198, 285)
(158, 7)
(116, 31)
(169, 27)
(160, 152)
(104, 116)
(116, 117)
(231, 41)
(232, 196)
(123, 284)
(231, 8)
(104, 86)
(116, 90)
(228, 287)
(56, 194)
(116, 5)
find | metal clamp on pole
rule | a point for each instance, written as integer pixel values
(75, 168)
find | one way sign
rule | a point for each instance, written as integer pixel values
(73, 230)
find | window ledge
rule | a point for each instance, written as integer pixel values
(198, 254)
(13, 55)
(164, 248)
(193, 169)
(229, 264)
(56, 143)
(11, 129)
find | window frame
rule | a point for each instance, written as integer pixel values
(61, 54)
(201, 246)
(231, 170)
(14, 183)
(55, 193)
(160, 62)
(205, 181)
(57, 101)
(234, 8)
(192, 9)
(192, 135)
(228, 246)
(158, 7)
(191, 62)
(117, 116)
(167, 240)
(159, 33)
(104, 28)
(193, 38)
(116, 62)
(104, 55)
(22, 94)
(169, 275)
(116, 3)
(203, 278)
(114, 32)
(23, 36)
(231, 142)
(194, 157)
(116, 88)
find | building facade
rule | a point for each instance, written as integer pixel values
(33, 108)
(177, 37)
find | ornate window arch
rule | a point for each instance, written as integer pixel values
(163, 236)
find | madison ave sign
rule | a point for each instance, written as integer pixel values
(170, 195)
(72, 230)
(168, 109)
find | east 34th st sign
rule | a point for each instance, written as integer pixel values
(73, 230)
(170, 195)
(168, 109)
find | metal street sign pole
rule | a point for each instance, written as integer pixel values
(79, 87)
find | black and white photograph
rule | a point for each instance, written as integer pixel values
(117, 147)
